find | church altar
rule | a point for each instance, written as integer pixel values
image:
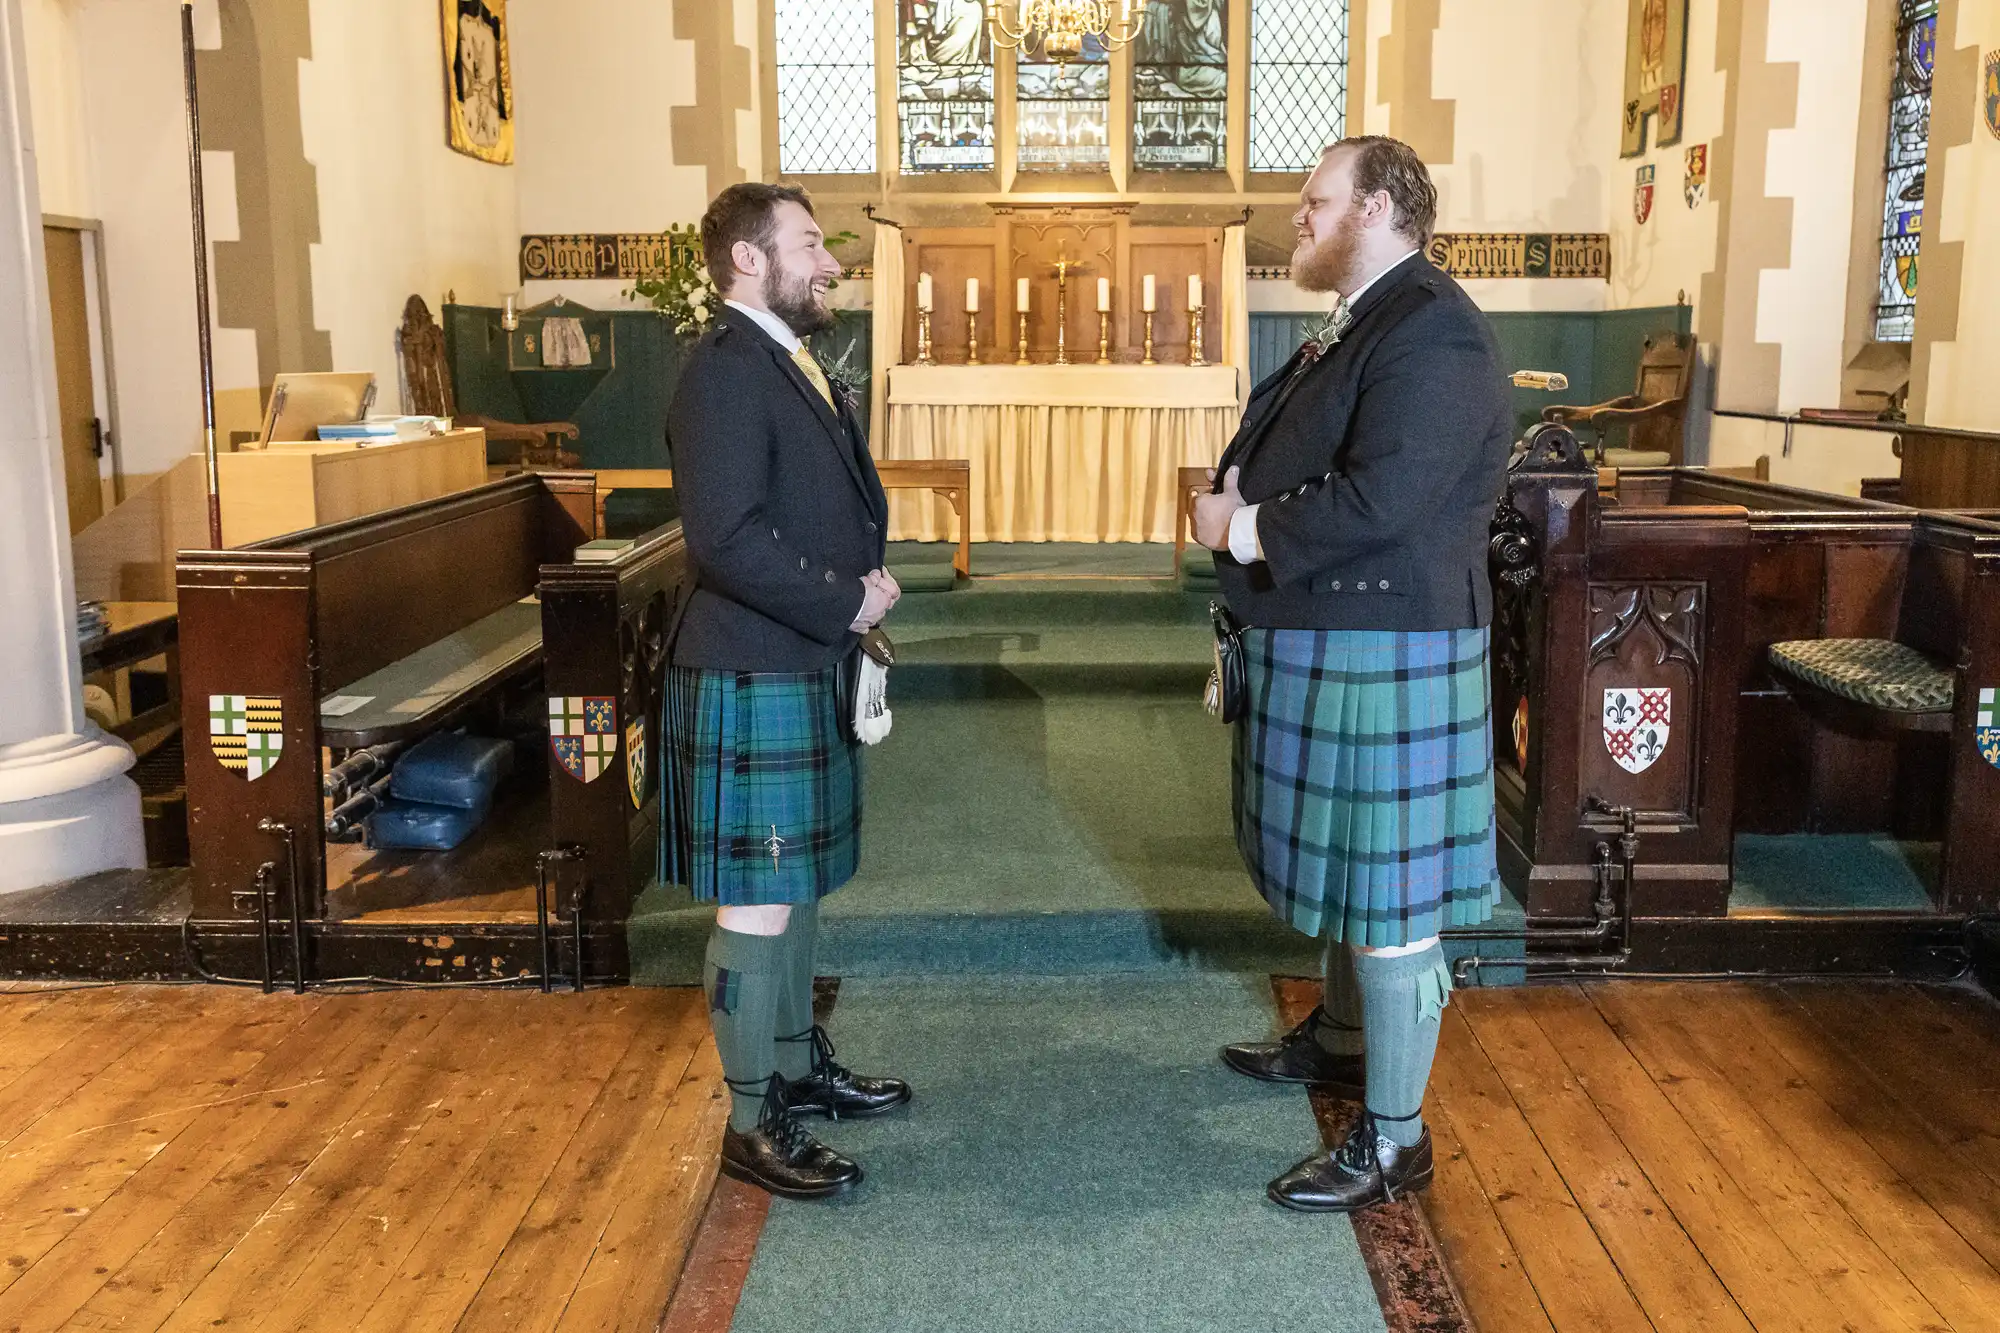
(1075, 453)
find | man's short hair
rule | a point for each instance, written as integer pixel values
(746, 211)
(1393, 167)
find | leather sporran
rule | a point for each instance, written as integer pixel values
(1228, 696)
(867, 688)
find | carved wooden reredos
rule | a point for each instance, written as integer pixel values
(1026, 240)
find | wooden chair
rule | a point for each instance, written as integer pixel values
(1653, 414)
(428, 392)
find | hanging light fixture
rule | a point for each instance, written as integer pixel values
(1061, 27)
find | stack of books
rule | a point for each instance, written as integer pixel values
(384, 430)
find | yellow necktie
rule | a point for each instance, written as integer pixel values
(804, 361)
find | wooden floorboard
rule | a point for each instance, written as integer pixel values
(201, 1158)
(1807, 1156)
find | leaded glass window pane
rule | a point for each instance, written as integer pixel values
(1903, 193)
(944, 85)
(1065, 112)
(1180, 86)
(1298, 81)
(826, 86)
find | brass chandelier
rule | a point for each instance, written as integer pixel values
(1061, 26)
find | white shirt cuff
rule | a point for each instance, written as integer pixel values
(1243, 543)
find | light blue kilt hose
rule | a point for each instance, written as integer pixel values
(761, 786)
(1364, 781)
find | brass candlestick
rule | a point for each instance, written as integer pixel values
(1103, 338)
(972, 338)
(1022, 359)
(1195, 358)
(1147, 360)
(924, 338)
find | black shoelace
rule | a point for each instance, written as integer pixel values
(774, 1117)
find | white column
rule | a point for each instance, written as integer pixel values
(66, 806)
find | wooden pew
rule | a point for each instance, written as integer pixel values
(1808, 565)
(417, 610)
(604, 628)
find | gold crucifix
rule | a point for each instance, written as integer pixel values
(1064, 267)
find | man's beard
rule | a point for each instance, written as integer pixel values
(794, 301)
(1331, 263)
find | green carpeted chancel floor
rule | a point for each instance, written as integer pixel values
(1076, 1160)
(1053, 800)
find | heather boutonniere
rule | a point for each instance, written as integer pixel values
(846, 379)
(1331, 330)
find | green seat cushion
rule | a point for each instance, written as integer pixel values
(1880, 673)
(924, 575)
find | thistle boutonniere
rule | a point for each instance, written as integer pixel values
(845, 378)
(1331, 330)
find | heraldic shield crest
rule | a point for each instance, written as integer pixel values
(247, 732)
(1636, 725)
(1986, 727)
(1642, 194)
(635, 761)
(1991, 92)
(583, 733)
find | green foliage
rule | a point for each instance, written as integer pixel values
(685, 295)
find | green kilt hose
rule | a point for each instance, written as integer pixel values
(761, 788)
(1364, 781)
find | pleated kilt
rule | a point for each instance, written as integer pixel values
(761, 786)
(1364, 781)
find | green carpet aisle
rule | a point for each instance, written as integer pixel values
(1053, 800)
(1076, 1160)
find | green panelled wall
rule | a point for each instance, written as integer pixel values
(1598, 350)
(622, 411)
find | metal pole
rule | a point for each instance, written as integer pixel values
(199, 208)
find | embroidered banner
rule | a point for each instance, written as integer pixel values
(1484, 254)
(625, 255)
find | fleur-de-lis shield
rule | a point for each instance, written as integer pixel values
(1637, 723)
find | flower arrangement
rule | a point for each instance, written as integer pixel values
(684, 294)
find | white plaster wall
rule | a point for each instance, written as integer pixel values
(1962, 371)
(1381, 18)
(400, 212)
(1803, 308)
(56, 83)
(1654, 263)
(595, 154)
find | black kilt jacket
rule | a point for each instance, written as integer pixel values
(1378, 471)
(780, 504)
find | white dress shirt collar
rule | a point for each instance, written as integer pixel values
(771, 324)
(1351, 297)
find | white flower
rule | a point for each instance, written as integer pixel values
(701, 314)
(697, 295)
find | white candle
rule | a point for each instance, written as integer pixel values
(1021, 294)
(1194, 291)
(923, 291)
(1104, 296)
(1146, 302)
(972, 296)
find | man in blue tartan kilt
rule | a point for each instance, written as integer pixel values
(784, 516)
(1349, 520)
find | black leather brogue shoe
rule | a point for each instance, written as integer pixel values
(1297, 1057)
(780, 1156)
(837, 1092)
(1365, 1170)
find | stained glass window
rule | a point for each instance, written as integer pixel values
(944, 85)
(1065, 111)
(1903, 193)
(1298, 81)
(1180, 86)
(826, 86)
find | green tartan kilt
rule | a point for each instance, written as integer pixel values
(1364, 781)
(761, 786)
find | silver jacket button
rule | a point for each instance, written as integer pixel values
(1336, 585)
(829, 576)
(802, 562)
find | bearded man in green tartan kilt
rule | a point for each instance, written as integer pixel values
(784, 517)
(1350, 521)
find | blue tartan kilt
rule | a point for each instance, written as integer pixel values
(761, 786)
(1364, 781)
